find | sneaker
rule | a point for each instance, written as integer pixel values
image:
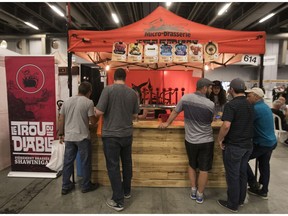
(224, 204)
(127, 196)
(199, 198)
(241, 204)
(257, 192)
(66, 191)
(116, 206)
(193, 193)
(92, 187)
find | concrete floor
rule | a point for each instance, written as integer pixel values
(39, 196)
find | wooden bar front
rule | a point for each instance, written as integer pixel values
(159, 157)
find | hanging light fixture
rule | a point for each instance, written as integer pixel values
(224, 9)
(266, 17)
(115, 18)
(206, 67)
(107, 67)
(57, 10)
(31, 25)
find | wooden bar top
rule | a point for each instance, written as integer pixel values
(174, 125)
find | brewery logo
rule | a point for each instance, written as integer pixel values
(30, 78)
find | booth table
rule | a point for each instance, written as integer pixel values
(159, 157)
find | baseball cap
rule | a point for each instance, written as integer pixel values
(217, 83)
(203, 82)
(237, 84)
(257, 91)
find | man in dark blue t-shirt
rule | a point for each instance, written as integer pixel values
(235, 139)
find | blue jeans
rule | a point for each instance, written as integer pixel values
(85, 152)
(263, 154)
(235, 162)
(114, 149)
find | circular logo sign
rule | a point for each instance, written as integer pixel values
(30, 78)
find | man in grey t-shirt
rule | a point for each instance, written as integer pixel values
(75, 114)
(119, 105)
(199, 141)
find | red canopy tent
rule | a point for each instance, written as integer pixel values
(164, 26)
(159, 27)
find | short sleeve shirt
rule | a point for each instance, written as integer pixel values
(240, 113)
(198, 116)
(77, 110)
(119, 103)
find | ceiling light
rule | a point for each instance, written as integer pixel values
(3, 44)
(57, 10)
(206, 67)
(31, 25)
(115, 18)
(107, 68)
(168, 4)
(267, 17)
(224, 9)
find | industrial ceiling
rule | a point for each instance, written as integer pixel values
(242, 16)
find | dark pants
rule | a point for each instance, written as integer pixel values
(235, 162)
(263, 155)
(114, 149)
(71, 148)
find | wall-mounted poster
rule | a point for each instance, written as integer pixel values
(165, 53)
(211, 51)
(180, 53)
(151, 53)
(119, 51)
(135, 51)
(195, 52)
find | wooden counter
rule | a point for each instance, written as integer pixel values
(159, 157)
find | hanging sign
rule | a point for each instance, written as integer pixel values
(211, 52)
(151, 53)
(135, 51)
(165, 53)
(32, 113)
(180, 53)
(250, 59)
(119, 51)
(195, 53)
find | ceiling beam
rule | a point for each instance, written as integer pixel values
(22, 5)
(88, 14)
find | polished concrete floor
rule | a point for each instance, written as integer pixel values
(39, 196)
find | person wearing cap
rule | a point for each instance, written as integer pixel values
(199, 141)
(264, 141)
(235, 139)
(218, 96)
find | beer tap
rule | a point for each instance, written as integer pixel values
(182, 89)
(176, 95)
(170, 94)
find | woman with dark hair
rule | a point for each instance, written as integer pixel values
(218, 96)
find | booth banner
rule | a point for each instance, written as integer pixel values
(165, 53)
(151, 53)
(195, 52)
(119, 51)
(180, 53)
(135, 51)
(32, 111)
(211, 51)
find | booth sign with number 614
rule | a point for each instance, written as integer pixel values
(250, 59)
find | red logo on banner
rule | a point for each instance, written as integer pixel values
(30, 78)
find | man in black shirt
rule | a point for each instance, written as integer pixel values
(235, 139)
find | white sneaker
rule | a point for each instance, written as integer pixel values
(193, 193)
(116, 206)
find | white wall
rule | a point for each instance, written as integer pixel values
(4, 125)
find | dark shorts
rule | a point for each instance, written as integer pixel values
(200, 155)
